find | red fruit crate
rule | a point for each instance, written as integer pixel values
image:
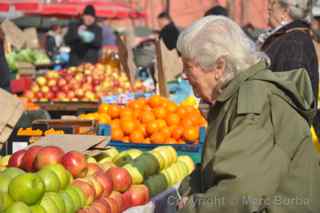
(20, 85)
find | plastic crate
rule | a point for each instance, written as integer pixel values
(193, 150)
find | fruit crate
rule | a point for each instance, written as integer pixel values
(193, 150)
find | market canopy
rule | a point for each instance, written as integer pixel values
(104, 9)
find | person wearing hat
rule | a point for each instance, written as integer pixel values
(84, 38)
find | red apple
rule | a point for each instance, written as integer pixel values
(45, 89)
(51, 95)
(29, 95)
(117, 196)
(35, 88)
(71, 94)
(127, 202)
(86, 188)
(80, 93)
(65, 88)
(112, 204)
(139, 195)
(98, 187)
(121, 179)
(61, 96)
(16, 158)
(29, 158)
(76, 163)
(41, 80)
(52, 82)
(79, 77)
(102, 206)
(62, 82)
(54, 89)
(68, 77)
(39, 95)
(47, 156)
(106, 182)
(93, 168)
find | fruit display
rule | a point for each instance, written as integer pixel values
(87, 82)
(45, 179)
(156, 120)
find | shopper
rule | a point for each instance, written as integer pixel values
(4, 68)
(169, 32)
(258, 156)
(84, 39)
(217, 10)
(54, 40)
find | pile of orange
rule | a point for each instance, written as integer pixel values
(156, 120)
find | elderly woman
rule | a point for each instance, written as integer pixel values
(258, 156)
(290, 46)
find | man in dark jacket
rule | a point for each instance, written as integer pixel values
(4, 68)
(84, 39)
(169, 32)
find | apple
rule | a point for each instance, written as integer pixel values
(105, 181)
(139, 195)
(71, 94)
(54, 89)
(62, 82)
(61, 95)
(18, 207)
(62, 174)
(75, 196)
(93, 168)
(47, 156)
(127, 202)
(53, 74)
(37, 209)
(5, 201)
(112, 204)
(41, 80)
(121, 179)
(29, 158)
(65, 88)
(49, 205)
(29, 95)
(57, 200)
(98, 187)
(44, 89)
(86, 188)
(75, 162)
(35, 88)
(50, 179)
(102, 206)
(68, 77)
(16, 158)
(27, 188)
(40, 95)
(79, 77)
(68, 202)
(12, 172)
(117, 196)
(79, 93)
(51, 95)
(52, 82)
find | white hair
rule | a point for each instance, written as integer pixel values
(298, 9)
(213, 37)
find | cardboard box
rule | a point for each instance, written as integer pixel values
(13, 34)
(11, 111)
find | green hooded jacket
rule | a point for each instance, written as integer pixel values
(258, 156)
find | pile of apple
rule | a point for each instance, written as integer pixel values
(45, 179)
(84, 83)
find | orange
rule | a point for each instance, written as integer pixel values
(158, 138)
(155, 101)
(177, 132)
(141, 102)
(189, 109)
(173, 119)
(181, 111)
(115, 122)
(161, 124)
(146, 141)
(125, 139)
(116, 134)
(147, 117)
(127, 126)
(142, 128)
(166, 132)
(126, 113)
(134, 105)
(191, 134)
(186, 123)
(160, 113)
(152, 127)
(104, 119)
(171, 107)
(103, 108)
(147, 108)
(171, 141)
(137, 114)
(114, 111)
(137, 136)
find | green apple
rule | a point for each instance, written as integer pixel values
(112, 152)
(60, 171)
(160, 159)
(168, 178)
(49, 205)
(37, 209)
(4, 183)
(105, 160)
(165, 156)
(137, 178)
(75, 196)
(81, 195)
(68, 202)
(5, 201)
(18, 207)
(13, 172)
(50, 180)
(183, 168)
(134, 153)
(5, 160)
(70, 177)
(57, 200)
(91, 160)
(27, 188)
(188, 162)
(173, 153)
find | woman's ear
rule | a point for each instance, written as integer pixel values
(220, 66)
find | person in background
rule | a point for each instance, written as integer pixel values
(169, 32)
(109, 37)
(4, 68)
(84, 39)
(290, 44)
(54, 41)
(258, 156)
(217, 11)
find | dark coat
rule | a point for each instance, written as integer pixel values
(258, 156)
(169, 34)
(82, 52)
(4, 70)
(291, 47)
